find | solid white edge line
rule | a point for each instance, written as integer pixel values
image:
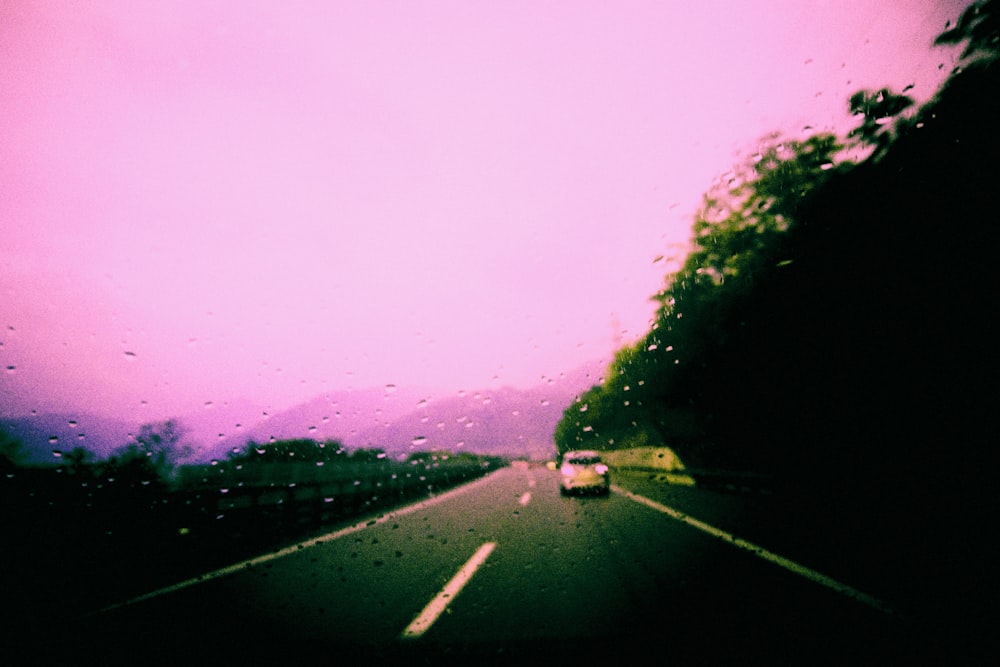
(425, 619)
(761, 552)
(295, 548)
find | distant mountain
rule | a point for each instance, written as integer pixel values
(339, 415)
(509, 422)
(506, 421)
(214, 428)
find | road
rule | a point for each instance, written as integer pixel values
(546, 578)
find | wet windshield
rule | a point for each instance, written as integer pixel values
(302, 305)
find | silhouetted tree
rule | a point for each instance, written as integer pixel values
(11, 451)
(367, 454)
(663, 388)
(78, 461)
(299, 450)
(162, 444)
(151, 458)
(979, 28)
(878, 112)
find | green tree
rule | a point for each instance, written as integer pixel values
(78, 461)
(878, 111)
(367, 454)
(162, 444)
(662, 390)
(297, 450)
(11, 451)
(152, 456)
(979, 28)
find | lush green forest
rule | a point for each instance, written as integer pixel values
(832, 322)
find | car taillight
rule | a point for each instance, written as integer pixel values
(601, 469)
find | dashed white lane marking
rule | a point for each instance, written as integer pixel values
(760, 552)
(295, 548)
(525, 499)
(425, 619)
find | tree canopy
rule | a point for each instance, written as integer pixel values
(830, 311)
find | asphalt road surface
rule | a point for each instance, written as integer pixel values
(505, 570)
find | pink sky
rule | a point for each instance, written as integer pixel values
(209, 201)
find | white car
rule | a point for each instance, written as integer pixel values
(583, 471)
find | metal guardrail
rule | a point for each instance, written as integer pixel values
(296, 485)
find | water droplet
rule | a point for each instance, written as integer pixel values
(56, 453)
(130, 356)
(11, 369)
(53, 439)
(419, 441)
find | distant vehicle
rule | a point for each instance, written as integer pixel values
(583, 471)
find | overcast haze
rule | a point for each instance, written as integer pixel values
(265, 201)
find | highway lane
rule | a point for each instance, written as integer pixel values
(566, 577)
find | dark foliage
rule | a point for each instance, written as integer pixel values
(832, 317)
